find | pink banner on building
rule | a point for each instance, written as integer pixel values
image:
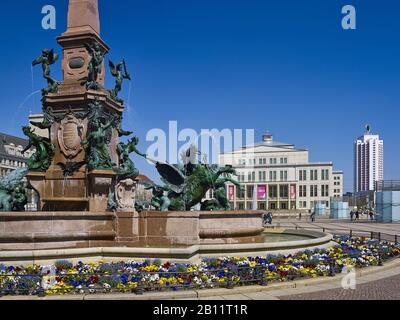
(293, 192)
(261, 192)
(231, 192)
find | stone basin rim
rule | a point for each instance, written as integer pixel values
(189, 253)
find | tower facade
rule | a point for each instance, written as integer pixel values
(368, 161)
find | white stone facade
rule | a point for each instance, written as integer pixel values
(280, 177)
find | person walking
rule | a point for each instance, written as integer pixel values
(312, 216)
(300, 216)
(371, 214)
(351, 215)
(265, 219)
(357, 215)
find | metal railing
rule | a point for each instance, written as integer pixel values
(380, 236)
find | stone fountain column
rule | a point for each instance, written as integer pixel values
(84, 190)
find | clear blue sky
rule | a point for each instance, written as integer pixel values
(285, 66)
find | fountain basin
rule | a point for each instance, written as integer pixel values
(75, 230)
(174, 236)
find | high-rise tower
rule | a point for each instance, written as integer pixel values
(368, 161)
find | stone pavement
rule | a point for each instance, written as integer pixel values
(362, 227)
(378, 285)
(384, 289)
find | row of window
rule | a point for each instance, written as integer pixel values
(304, 191)
(283, 176)
(276, 206)
(263, 161)
(312, 191)
(313, 174)
(262, 176)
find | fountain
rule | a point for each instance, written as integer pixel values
(86, 180)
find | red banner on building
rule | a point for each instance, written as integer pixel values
(262, 192)
(293, 192)
(231, 192)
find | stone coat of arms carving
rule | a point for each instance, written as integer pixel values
(71, 133)
(125, 195)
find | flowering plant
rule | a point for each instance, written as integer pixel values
(150, 275)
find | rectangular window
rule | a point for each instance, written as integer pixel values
(303, 191)
(325, 190)
(250, 192)
(284, 191)
(240, 193)
(313, 175)
(303, 175)
(273, 191)
(325, 174)
(283, 176)
(313, 191)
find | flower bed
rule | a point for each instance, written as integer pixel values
(151, 275)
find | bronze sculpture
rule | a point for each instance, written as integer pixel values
(40, 161)
(127, 169)
(98, 155)
(120, 73)
(95, 67)
(13, 195)
(188, 185)
(47, 58)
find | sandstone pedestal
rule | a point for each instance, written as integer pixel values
(100, 185)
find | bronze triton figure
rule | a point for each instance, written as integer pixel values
(47, 58)
(120, 73)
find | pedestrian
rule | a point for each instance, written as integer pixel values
(300, 216)
(312, 217)
(371, 215)
(265, 219)
(271, 216)
(352, 215)
(357, 215)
